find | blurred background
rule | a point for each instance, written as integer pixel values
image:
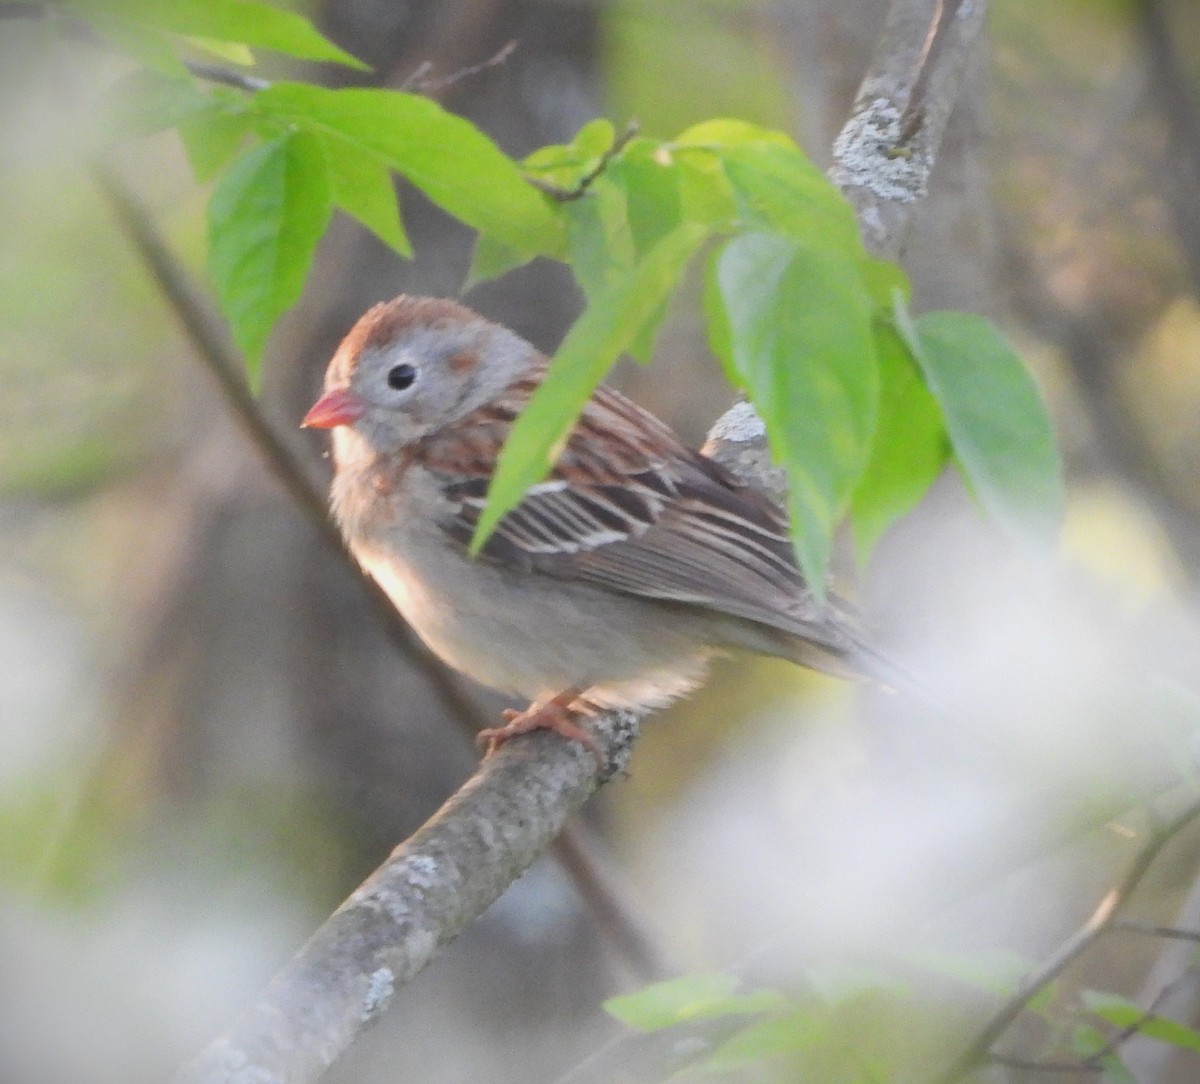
(206, 740)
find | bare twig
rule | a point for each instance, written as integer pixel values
(218, 359)
(1094, 1061)
(421, 82)
(1149, 1059)
(1170, 933)
(1099, 922)
(575, 850)
(935, 40)
(230, 77)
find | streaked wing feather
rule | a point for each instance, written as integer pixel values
(648, 517)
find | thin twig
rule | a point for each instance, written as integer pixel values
(211, 347)
(1098, 923)
(230, 77)
(1170, 933)
(567, 195)
(1094, 1062)
(1148, 1059)
(223, 365)
(420, 82)
(575, 849)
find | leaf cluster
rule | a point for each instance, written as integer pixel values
(863, 1024)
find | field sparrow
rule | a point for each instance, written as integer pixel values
(613, 581)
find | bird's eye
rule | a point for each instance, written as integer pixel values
(401, 376)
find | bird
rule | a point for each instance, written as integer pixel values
(612, 583)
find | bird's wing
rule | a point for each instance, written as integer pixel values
(630, 509)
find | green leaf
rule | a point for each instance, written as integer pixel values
(995, 972)
(693, 997)
(564, 165)
(795, 335)
(447, 157)
(705, 194)
(1123, 1013)
(778, 188)
(244, 21)
(232, 52)
(698, 154)
(884, 280)
(599, 241)
(361, 184)
(728, 132)
(211, 139)
(264, 220)
(608, 325)
(910, 447)
(149, 101)
(799, 1030)
(493, 258)
(1087, 1042)
(650, 182)
(595, 139)
(652, 209)
(998, 425)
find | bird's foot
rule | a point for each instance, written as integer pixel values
(556, 714)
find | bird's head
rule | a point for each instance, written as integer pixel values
(411, 366)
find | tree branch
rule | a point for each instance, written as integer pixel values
(422, 81)
(230, 77)
(1170, 86)
(433, 885)
(1101, 921)
(885, 153)
(487, 834)
(1094, 1062)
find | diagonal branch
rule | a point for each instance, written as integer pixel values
(1094, 1062)
(428, 890)
(1103, 919)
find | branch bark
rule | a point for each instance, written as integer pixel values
(885, 153)
(486, 835)
(443, 877)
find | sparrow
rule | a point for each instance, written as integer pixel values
(613, 582)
